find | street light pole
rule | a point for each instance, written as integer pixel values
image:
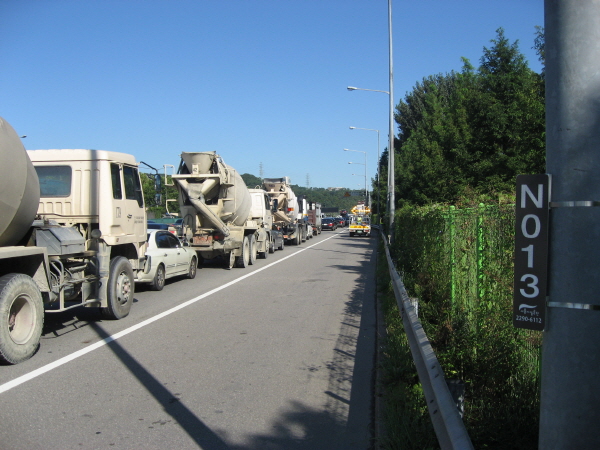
(378, 170)
(391, 201)
(391, 187)
(365, 164)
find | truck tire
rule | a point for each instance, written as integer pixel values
(159, 279)
(253, 249)
(120, 289)
(282, 244)
(21, 318)
(244, 259)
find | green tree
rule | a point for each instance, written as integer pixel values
(251, 180)
(473, 131)
(153, 206)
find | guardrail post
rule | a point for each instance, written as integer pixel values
(451, 215)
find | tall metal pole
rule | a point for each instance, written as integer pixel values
(570, 388)
(366, 192)
(392, 197)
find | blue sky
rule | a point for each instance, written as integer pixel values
(257, 81)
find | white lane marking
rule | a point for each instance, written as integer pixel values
(65, 359)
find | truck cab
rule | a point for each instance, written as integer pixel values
(93, 189)
(360, 225)
(98, 193)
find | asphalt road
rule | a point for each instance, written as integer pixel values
(276, 356)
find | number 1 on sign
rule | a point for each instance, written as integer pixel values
(529, 251)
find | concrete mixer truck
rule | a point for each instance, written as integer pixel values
(72, 233)
(289, 212)
(221, 216)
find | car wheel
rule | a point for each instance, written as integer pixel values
(271, 246)
(193, 268)
(158, 283)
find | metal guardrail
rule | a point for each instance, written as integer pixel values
(447, 423)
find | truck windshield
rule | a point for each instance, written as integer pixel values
(55, 181)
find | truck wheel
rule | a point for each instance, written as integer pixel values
(253, 249)
(282, 244)
(193, 268)
(159, 278)
(21, 317)
(351, 234)
(298, 239)
(120, 289)
(244, 259)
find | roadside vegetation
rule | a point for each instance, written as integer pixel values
(463, 138)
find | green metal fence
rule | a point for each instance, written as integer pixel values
(458, 262)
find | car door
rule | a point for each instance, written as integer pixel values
(168, 254)
(181, 255)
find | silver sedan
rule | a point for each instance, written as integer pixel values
(166, 257)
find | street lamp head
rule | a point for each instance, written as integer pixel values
(352, 128)
(351, 88)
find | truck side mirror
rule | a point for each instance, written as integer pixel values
(157, 183)
(275, 205)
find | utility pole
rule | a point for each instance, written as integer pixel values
(570, 388)
(391, 187)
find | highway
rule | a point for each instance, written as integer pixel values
(279, 355)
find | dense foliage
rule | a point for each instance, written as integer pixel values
(459, 264)
(157, 206)
(470, 133)
(463, 137)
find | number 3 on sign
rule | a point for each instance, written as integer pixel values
(532, 285)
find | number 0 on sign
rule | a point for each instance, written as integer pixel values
(531, 251)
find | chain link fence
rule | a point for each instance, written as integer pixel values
(458, 263)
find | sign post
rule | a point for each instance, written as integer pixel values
(531, 251)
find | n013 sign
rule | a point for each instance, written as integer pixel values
(531, 251)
